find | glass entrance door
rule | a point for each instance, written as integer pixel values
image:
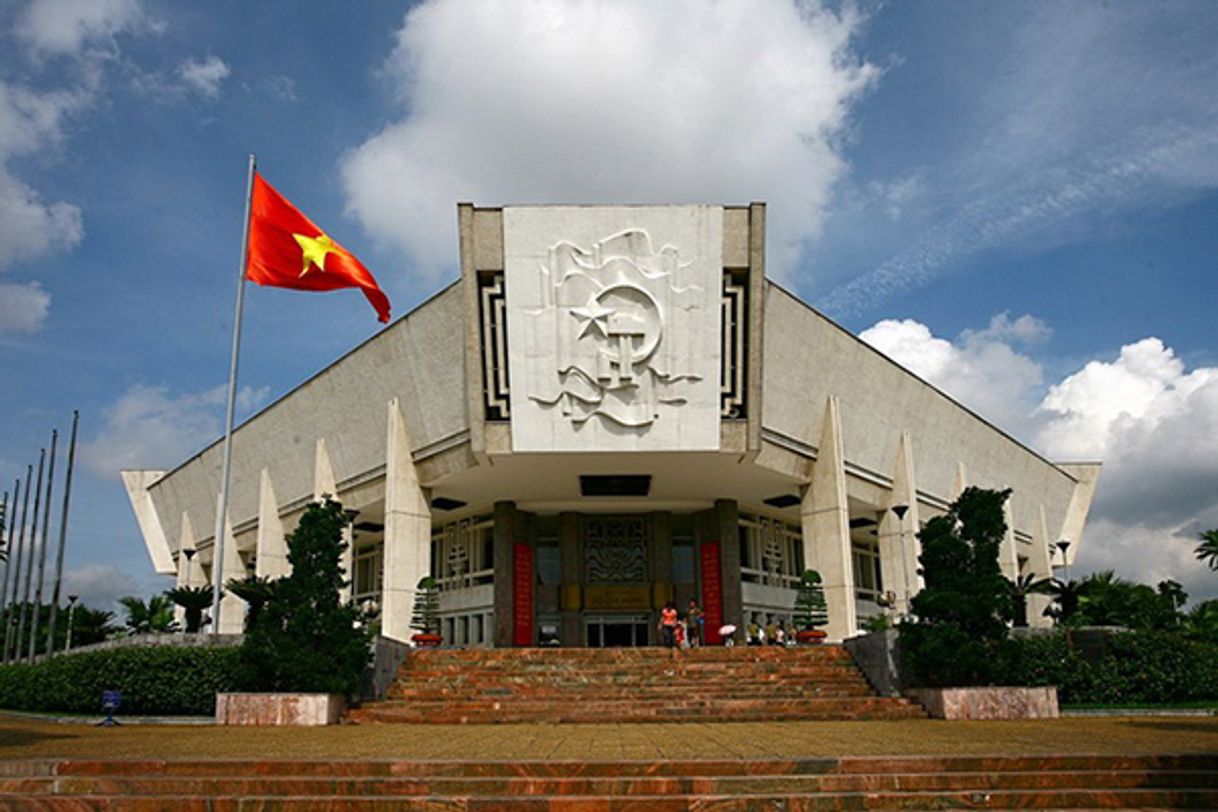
(616, 631)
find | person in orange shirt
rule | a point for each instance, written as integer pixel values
(668, 624)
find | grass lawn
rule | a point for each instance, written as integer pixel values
(31, 738)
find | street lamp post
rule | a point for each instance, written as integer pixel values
(71, 617)
(1064, 545)
(899, 511)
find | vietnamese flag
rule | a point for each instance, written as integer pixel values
(286, 250)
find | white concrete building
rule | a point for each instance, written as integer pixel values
(612, 408)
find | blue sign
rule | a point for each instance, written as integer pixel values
(111, 700)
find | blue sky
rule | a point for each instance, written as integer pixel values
(1018, 201)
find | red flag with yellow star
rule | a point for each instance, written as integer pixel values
(286, 250)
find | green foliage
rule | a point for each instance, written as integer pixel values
(194, 599)
(89, 626)
(1139, 667)
(1021, 588)
(305, 639)
(167, 680)
(1201, 623)
(1207, 550)
(963, 610)
(426, 615)
(1067, 600)
(877, 623)
(257, 591)
(154, 616)
(1103, 599)
(810, 608)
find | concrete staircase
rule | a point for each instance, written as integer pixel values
(631, 685)
(853, 783)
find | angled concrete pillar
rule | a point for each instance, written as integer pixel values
(407, 555)
(899, 547)
(1087, 476)
(325, 484)
(232, 608)
(1040, 562)
(961, 481)
(272, 557)
(1008, 552)
(825, 522)
(190, 571)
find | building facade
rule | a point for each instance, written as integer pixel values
(612, 408)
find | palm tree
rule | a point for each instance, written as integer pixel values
(257, 591)
(194, 599)
(154, 616)
(91, 626)
(1023, 586)
(1207, 550)
(1067, 597)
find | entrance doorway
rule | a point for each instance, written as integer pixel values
(616, 631)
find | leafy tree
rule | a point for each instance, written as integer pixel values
(962, 612)
(1207, 550)
(154, 616)
(1021, 587)
(257, 591)
(1201, 623)
(306, 639)
(810, 608)
(90, 626)
(195, 600)
(1067, 597)
(1103, 599)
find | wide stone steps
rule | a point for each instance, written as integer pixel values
(624, 685)
(853, 783)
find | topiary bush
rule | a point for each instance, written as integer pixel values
(158, 680)
(306, 639)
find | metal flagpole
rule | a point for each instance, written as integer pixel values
(63, 535)
(42, 550)
(11, 609)
(29, 559)
(217, 561)
(7, 541)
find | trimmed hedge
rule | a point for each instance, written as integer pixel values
(1139, 667)
(164, 680)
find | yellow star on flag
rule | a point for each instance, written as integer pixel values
(313, 251)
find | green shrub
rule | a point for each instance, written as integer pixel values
(1141, 667)
(164, 680)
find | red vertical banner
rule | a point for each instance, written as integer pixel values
(712, 593)
(522, 594)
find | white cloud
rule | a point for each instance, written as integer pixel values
(1154, 423)
(552, 101)
(982, 369)
(23, 308)
(204, 76)
(1150, 420)
(148, 427)
(68, 26)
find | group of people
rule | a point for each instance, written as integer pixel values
(679, 630)
(774, 633)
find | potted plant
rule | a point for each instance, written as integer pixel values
(426, 614)
(810, 609)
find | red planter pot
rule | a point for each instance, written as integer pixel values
(810, 637)
(426, 640)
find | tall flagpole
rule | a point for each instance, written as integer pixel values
(42, 551)
(8, 540)
(29, 558)
(217, 564)
(63, 535)
(11, 609)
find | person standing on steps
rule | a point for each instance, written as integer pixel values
(668, 624)
(693, 623)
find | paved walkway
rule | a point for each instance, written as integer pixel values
(22, 738)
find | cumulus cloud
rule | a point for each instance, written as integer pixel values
(149, 427)
(23, 308)
(982, 369)
(204, 76)
(551, 102)
(99, 586)
(1151, 421)
(68, 26)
